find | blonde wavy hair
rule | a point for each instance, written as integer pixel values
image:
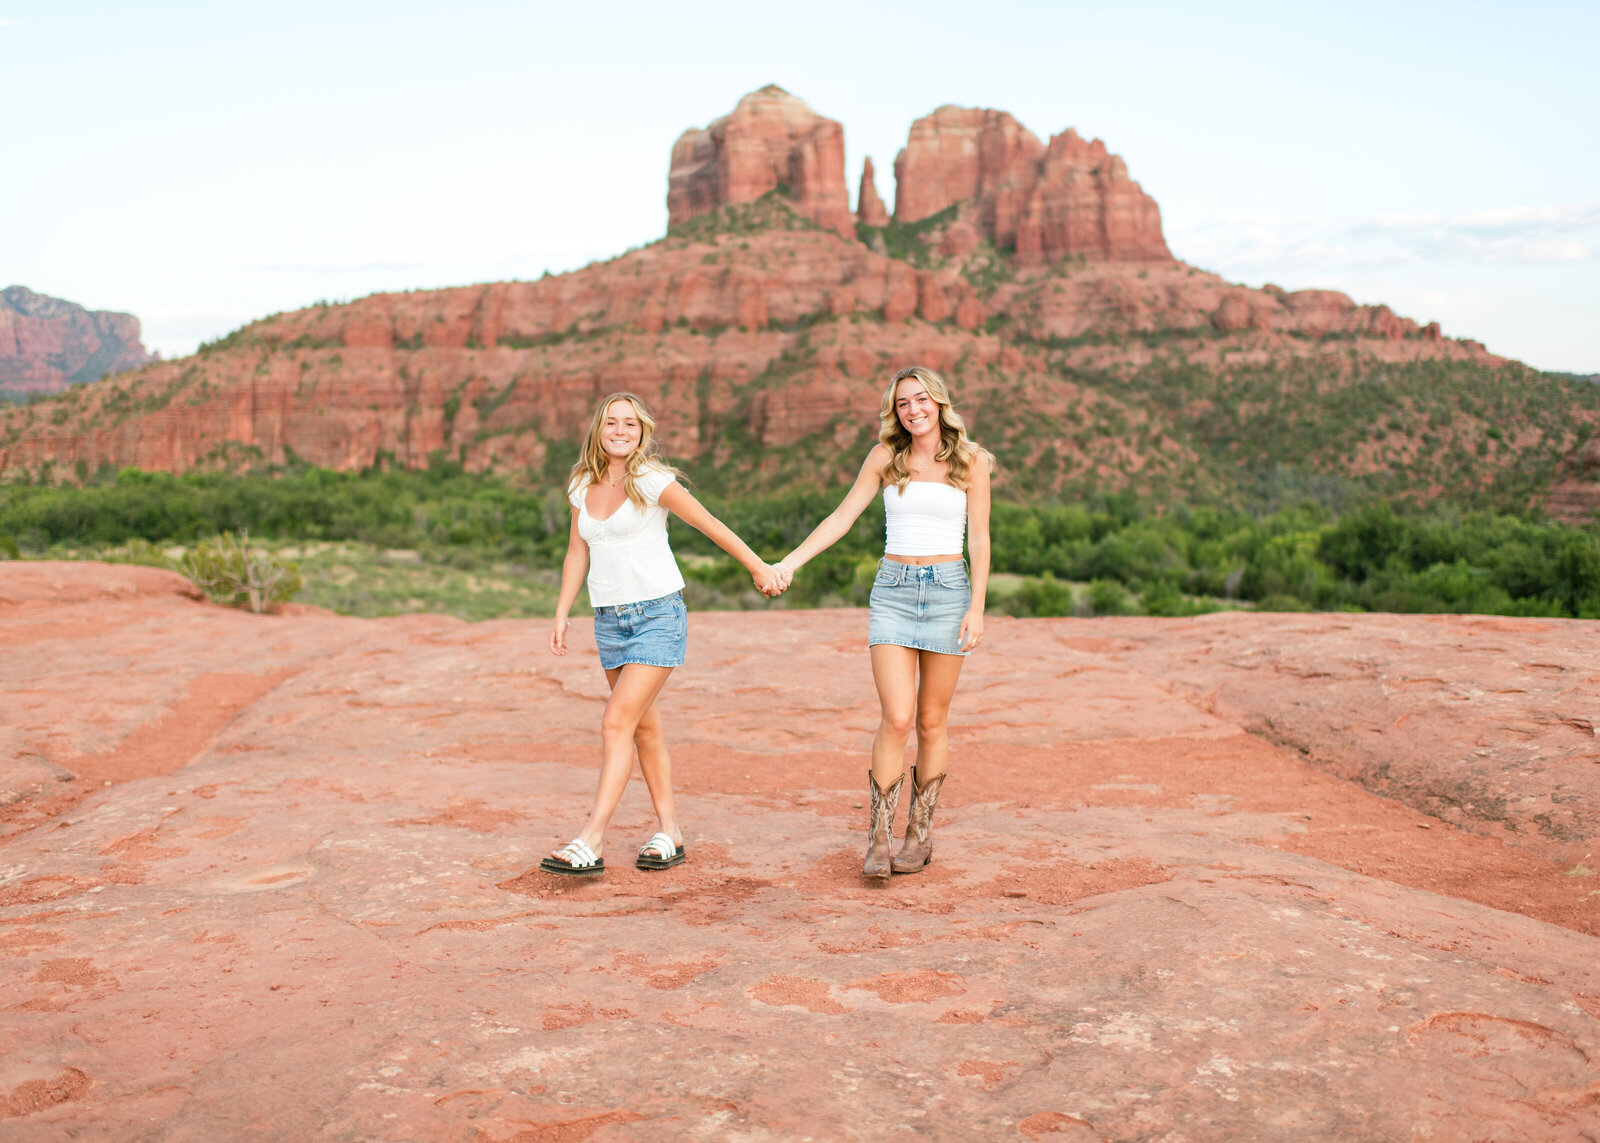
(954, 446)
(594, 461)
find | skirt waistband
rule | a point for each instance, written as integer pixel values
(635, 608)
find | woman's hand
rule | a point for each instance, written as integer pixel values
(971, 630)
(558, 635)
(769, 580)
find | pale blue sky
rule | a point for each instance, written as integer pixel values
(202, 164)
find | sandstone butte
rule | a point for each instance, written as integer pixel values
(770, 139)
(763, 323)
(1239, 877)
(47, 344)
(1070, 199)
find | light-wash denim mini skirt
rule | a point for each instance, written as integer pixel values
(654, 632)
(920, 607)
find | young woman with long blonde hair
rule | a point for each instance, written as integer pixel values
(621, 492)
(927, 610)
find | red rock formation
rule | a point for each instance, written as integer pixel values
(47, 344)
(1574, 498)
(770, 139)
(962, 153)
(763, 332)
(1071, 198)
(869, 207)
(1085, 204)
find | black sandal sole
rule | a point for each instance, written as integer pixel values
(656, 864)
(562, 869)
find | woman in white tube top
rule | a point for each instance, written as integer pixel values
(927, 611)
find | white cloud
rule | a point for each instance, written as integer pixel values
(1524, 234)
(1528, 235)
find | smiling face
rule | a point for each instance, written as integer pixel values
(621, 430)
(918, 412)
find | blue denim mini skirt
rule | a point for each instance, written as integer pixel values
(920, 607)
(654, 632)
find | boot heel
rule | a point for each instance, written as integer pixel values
(917, 851)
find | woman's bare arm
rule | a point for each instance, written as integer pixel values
(869, 482)
(573, 569)
(977, 550)
(678, 500)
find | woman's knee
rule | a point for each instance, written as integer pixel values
(932, 724)
(617, 725)
(648, 734)
(898, 722)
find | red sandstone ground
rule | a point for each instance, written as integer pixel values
(273, 878)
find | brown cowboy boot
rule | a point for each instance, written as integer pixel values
(880, 833)
(917, 851)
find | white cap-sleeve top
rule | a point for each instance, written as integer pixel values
(927, 518)
(629, 559)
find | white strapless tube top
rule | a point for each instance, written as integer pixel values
(928, 519)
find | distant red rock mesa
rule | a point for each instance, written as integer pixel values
(47, 344)
(770, 139)
(1072, 198)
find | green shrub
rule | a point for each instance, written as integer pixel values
(1108, 597)
(1281, 602)
(229, 571)
(1045, 596)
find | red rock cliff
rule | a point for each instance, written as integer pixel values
(770, 138)
(1070, 198)
(869, 207)
(47, 344)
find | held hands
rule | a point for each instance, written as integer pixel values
(772, 580)
(971, 630)
(558, 635)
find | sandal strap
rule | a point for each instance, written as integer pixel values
(663, 844)
(577, 854)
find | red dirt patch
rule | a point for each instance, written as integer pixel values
(37, 890)
(178, 733)
(1056, 1123)
(559, 1016)
(802, 991)
(572, 1130)
(664, 976)
(989, 1073)
(960, 1016)
(70, 970)
(912, 987)
(38, 1095)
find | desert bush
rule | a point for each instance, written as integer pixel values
(1108, 597)
(1045, 596)
(229, 571)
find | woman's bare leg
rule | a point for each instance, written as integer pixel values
(935, 689)
(633, 692)
(656, 764)
(894, 670)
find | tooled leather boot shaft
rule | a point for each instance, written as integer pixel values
(880, 829)
(918, 847)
